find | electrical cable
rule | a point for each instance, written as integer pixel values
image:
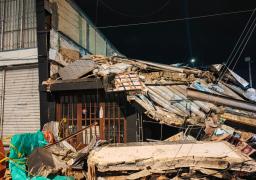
(245, 45)
(240, 37)
(96, 21)
(229, 61)
(142, 16)
(177, 19)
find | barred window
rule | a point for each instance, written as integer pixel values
(17, 24)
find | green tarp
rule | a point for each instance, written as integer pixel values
(21, 147)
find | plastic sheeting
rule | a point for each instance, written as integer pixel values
(22, 146)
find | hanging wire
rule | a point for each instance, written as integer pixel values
(177, 19)
(245, 44)
(96, 21)
(230, 60)
(163, 6)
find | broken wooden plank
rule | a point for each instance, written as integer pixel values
(69, 54)
(140, 174)
(239, 119)
(156, 113)
(221, 100)
(126, 82)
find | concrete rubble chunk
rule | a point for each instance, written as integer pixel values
(145, 158)
(77, 69)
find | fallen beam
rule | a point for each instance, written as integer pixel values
(169, 67)
(239, 119)
(221, 100)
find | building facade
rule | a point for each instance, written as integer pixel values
(30, 32)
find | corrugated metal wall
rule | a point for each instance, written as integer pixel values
(21, 105)
(97, 45)
(71, 23)
(17, 24)
(74, 25)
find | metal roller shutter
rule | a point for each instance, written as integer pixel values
(21, 104)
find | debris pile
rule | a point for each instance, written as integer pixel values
(44, 156)
(171, 95)
(187, 160)
(215, 99)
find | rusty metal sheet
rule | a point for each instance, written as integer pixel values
(77, 69)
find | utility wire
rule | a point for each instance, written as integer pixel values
(127, 15)
(245, 44)
(239, 39)
(230, 58)
(177, 19)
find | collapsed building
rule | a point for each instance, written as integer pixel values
(122, 95)
(120, 100)
(174, 96)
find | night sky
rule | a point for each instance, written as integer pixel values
(209, 40)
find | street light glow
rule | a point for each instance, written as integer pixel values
(193, 60)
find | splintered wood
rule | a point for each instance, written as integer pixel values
(126, 82)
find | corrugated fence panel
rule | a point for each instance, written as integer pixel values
(92, 40)
(101, 45)
(29, 20)
(68, 20)
(74, 25)
(97, 44)
(18, 24)
(21, 110)
(82, 32)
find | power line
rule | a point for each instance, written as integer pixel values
(127, 15)
(230, 60)
(245, 44)
(177, 19)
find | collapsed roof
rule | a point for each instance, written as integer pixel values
(169, 94)
(175, 96)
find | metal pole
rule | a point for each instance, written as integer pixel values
(248, 59)
(2, 34)
(2, 100)
(2, 28)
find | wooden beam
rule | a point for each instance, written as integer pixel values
(79, 122)
(239, 119)
(73, 85)
(221, 100)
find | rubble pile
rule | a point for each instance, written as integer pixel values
(171, 95)
(216, 99)
(134, 161)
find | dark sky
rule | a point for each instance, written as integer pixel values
(209, 40)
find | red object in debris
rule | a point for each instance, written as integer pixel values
(247, 149)
(49, 137)
(2, 164)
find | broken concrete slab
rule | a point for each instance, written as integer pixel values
(167, 156)
(77, 69)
